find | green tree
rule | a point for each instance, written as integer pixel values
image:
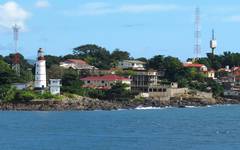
(26, 74)
(118, 55)
(7, 92)
(7, 75)
(71, 82)
(119, 92)
(52, 60)
(55, 72)
(94, 55)
(157, 62)
(172, 66)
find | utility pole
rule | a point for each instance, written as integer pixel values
(16, 57)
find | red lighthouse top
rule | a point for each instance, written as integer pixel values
(41, 54)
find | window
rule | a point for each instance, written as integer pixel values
(88, 81)
(102, 81)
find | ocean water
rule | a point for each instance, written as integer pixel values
(209, 128)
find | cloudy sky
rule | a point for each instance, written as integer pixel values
(142, 27)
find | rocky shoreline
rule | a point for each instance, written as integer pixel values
(88, 104)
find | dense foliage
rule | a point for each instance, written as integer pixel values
(105, 59)
(220, 61)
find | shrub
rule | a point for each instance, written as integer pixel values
(24, 96)
(7, 92)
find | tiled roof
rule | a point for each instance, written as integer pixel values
(193, 65)
(105, 78)
(134, 61)
(235, 68)
(76, 61)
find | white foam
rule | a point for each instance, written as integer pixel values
(191, 106)
(149, 108)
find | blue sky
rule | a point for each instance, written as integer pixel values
(142, 27)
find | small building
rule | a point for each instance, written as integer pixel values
(55, 86)
(199, 67)
(236, 71)
(210, 74)
(131, 64)
(148, 84)
(226, 69)
(76, 64)
(144, 81)
(104, 82)
(20, 86)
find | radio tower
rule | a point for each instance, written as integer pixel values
(16, 57)
(197, 46)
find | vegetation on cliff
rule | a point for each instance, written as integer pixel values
(104, 59)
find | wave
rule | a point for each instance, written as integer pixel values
(150, 108)
(197, 106)
(191, 107)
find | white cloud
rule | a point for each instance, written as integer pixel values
(42, 4)
(100, 8)
(11, 13)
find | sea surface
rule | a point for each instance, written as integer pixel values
(209, 128)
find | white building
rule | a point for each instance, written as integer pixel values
(55, 86)
(104, 82)
(20, 86)
(210, 74)
(131, 64)
(40, 71)
(77, 64)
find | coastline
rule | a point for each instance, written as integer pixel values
(88, 104)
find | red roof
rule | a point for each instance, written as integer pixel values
(105, 78)
(235, 68)
(194, 65)
(75, 61)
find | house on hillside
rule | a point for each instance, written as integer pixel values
(143, 81)
(199, 67)
(236, 71)
(149, 85)
(210, 73)
(132, 64)
(76, 64)
(104, 82)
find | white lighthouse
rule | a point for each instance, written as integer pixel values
(40, 71)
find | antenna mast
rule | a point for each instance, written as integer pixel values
(213, 43)
(16, 57)
(197, 46)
